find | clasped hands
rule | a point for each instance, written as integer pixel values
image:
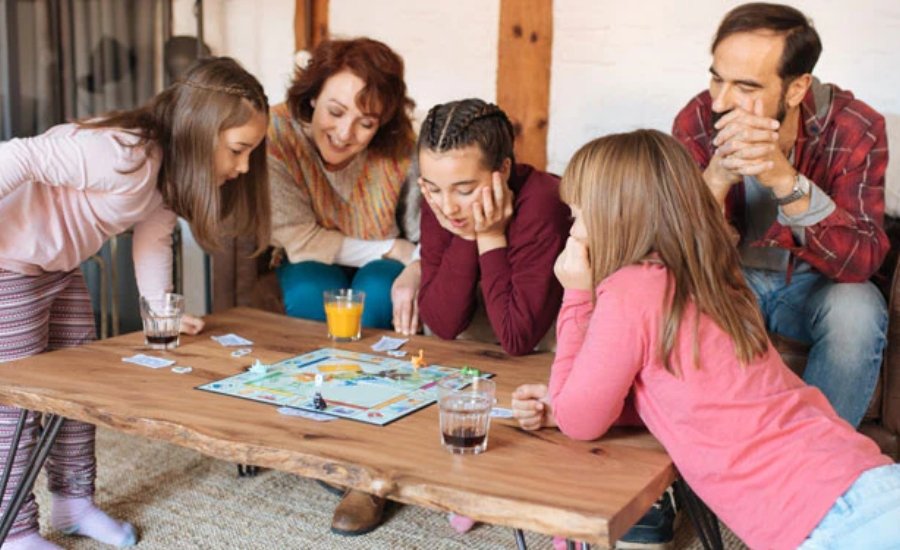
(747, 145)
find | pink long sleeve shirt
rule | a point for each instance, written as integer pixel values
(65, 192)
(766, 452)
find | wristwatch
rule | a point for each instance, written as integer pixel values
(801, 188)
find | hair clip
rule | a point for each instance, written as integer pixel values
(302, 59)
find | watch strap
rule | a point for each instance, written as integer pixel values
(800, 190)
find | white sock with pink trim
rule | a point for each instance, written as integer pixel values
(31, 541)
(79, 516)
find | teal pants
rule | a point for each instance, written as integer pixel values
(302, 285)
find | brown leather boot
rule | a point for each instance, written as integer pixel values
(357, 514)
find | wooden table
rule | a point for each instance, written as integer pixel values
(538, 481)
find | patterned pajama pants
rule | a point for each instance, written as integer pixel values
(37, 314)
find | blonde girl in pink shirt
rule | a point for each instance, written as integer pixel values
(657, 320)
(193, 151)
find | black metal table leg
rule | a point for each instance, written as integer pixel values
(705, 522)
(35, 463)
(520, 539)
(570, 544)
(247, 470)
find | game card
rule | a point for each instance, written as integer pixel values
(149, 361)
(387, 343)
(232, 340)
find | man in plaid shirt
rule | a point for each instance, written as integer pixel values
(798, 167)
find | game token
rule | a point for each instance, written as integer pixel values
(258, 368)
(418, 361)
(319, 402)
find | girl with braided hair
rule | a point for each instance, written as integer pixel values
(490, 234)
(192, 151)
(345, 203)
(492, 229)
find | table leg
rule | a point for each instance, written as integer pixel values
(570, 545)
(520, 539)
(247, 470)
(35, 463)
(705, 522)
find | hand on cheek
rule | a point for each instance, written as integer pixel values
(573, 266)
(494, 207)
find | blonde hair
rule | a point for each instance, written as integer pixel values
(641, 195)
(185, 121)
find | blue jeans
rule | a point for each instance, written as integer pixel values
(866, 516)
(303, 283)
(844, 322)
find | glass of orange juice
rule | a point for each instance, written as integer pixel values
(343, 314)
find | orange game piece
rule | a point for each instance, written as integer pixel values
(418, 361)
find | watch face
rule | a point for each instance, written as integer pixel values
(803, 184)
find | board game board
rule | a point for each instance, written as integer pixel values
(358, 386)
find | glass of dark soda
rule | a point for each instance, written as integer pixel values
(465, 404)
(162, 320)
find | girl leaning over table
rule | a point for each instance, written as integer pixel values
(657, 320)
(196, 150)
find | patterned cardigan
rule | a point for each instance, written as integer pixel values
(313, 210)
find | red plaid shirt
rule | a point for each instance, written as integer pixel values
(842, 148)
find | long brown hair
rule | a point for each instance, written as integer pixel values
(642, 196)
(382, 71)
(185, 120)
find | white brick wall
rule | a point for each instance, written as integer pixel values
(258, 33)
(449, 48)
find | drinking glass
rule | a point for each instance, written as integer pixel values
(465, 404)
(343, 314)
(162, 320)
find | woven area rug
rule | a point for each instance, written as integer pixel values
(180, 499)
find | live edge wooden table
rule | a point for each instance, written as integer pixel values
(538, 481)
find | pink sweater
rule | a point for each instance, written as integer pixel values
(66, 191)
(765, 451)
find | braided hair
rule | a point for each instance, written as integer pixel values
(459, 124)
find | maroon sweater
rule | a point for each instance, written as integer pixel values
(521, 293)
